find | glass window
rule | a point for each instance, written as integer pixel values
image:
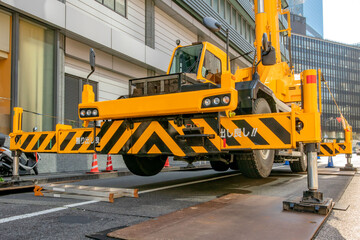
(215, 5)
(233, 18)
(247, 32)
(186, 59)
(244, 28)
(222, 8)
(120, 7)
(36, 74)
(238, 24)
(110, 4)
(211, 69)
(73, 89)
(208, 2)
(228, 12)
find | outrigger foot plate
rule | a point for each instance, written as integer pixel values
(310, 202)
(348, 167)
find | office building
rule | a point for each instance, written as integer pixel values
(312, 10)
(340, 64)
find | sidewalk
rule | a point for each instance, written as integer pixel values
(344, 224)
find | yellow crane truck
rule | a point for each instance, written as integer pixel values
(199, 110)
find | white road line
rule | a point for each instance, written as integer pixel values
(188, 183)
(28, 215)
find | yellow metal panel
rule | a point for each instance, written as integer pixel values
(163, 135)
(154, 150)
(34, 142)
(199, 149)
(123, 139)
(165, 104)
(333, 148)
(76, 140)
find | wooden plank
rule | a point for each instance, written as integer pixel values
(110, 198)
(83, 192)
(91, 190)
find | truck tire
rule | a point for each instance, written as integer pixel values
(299, 166)
(257, 163)
(144, 166)
(234, 165)
(219, 166)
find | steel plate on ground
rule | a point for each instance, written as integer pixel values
(234, 216)
(335, 171)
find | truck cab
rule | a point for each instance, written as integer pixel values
(204, 61)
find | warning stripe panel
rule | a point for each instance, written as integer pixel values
(332, 149)
(76, 140)
(256, 132)
(34, 142)
(262, 131)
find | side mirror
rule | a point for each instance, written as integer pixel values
(212, 24)
(34, 129)
(92, 59)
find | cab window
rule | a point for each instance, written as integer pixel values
(186, 59)
(211, 69)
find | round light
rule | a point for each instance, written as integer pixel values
(226, 99)
(216, 101)
(207, 102)
(95, 112)
(82, 113)
(88, 113)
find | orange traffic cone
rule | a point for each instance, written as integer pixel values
(109, 166)
(167, 163)
(94, 165)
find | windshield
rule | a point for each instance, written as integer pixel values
(186, 59)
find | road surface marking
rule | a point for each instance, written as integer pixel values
(188, 183)
(28, 215)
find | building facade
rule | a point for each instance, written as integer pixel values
(44, 51)
(340, 64)
(312, 10)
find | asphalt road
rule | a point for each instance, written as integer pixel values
(57, 218)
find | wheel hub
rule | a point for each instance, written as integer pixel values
(264, 153)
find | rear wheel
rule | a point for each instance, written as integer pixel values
(234, 165)
(257, 163)
(219, 166)
(299, 166)
(144, 166)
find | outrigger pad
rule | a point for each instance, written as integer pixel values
(309, 204)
